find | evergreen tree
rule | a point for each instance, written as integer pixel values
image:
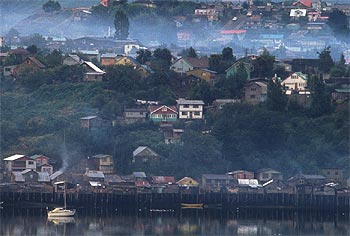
(192, 52)
(326, 61)
(320, 99)
(121, 24)
(51, 6)
(227, 54)
(276, 98)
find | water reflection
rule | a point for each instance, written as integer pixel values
(187, 222)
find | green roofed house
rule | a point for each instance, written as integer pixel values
(341, 95)
(163, 114)
(296, 81)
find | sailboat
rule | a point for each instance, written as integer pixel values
(62, 211)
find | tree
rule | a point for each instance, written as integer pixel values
(121, 24)
(33, 49)
(320, 99)
(326, 61)
(143, 56)
(192, 52)
(263, 65)
(51, 6)
(276, 98)
(163, 54)
(227, 54)
(53, 59)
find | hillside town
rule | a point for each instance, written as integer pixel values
(109, 115)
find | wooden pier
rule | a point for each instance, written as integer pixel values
(173, 201)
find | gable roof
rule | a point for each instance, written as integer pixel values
(36, 62)
(74, 57)
(88, 117)
(140, 149)
(37, 156)
(184, 179)
(202, 62)
(93, 67)
(99, 156)
(56, 174)
(14, 157)
(153, 109)
(109, 55)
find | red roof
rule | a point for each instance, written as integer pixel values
(163, 179)
(307, 3)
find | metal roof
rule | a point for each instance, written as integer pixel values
(217, 176)
(94, 174)
(56, 174)
(88, 117)
(140, 149)
(94, 67)
(100, 156)
(14, 157)
(182, 101)
(139, 174)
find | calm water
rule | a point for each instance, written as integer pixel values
(190, 222)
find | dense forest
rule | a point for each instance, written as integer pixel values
(40, 114)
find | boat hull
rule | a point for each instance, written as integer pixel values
(61, 213)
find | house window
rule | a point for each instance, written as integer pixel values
(164, 109)
(30, 162)
(7, 69)
(252, 96)
(197, 113)
(195, 106)
(252, 89)
(184, 113)
(186, 106)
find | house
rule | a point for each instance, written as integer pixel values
(334, 174)
(190, 109)
(30, 63)
(255, 92)
(264, 175)
(133, 115)
(45, 168)
(93, 73)
(187, 182)
(204, 74)
(296, 81)
(170, 134)
(72, 60)
(241, 174)
(108, 59)
(341, 95)
(19, 162)
(145, 156)
(163, 180)
(29, 176)
(307, 180)
(43, 177)
(91, 122)
(186, 64)
(139, 175)
(215, 182)
(143, 70)
(9, 70)
(104, 163)
(163, 114)
(60, 175)
(40, 159)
